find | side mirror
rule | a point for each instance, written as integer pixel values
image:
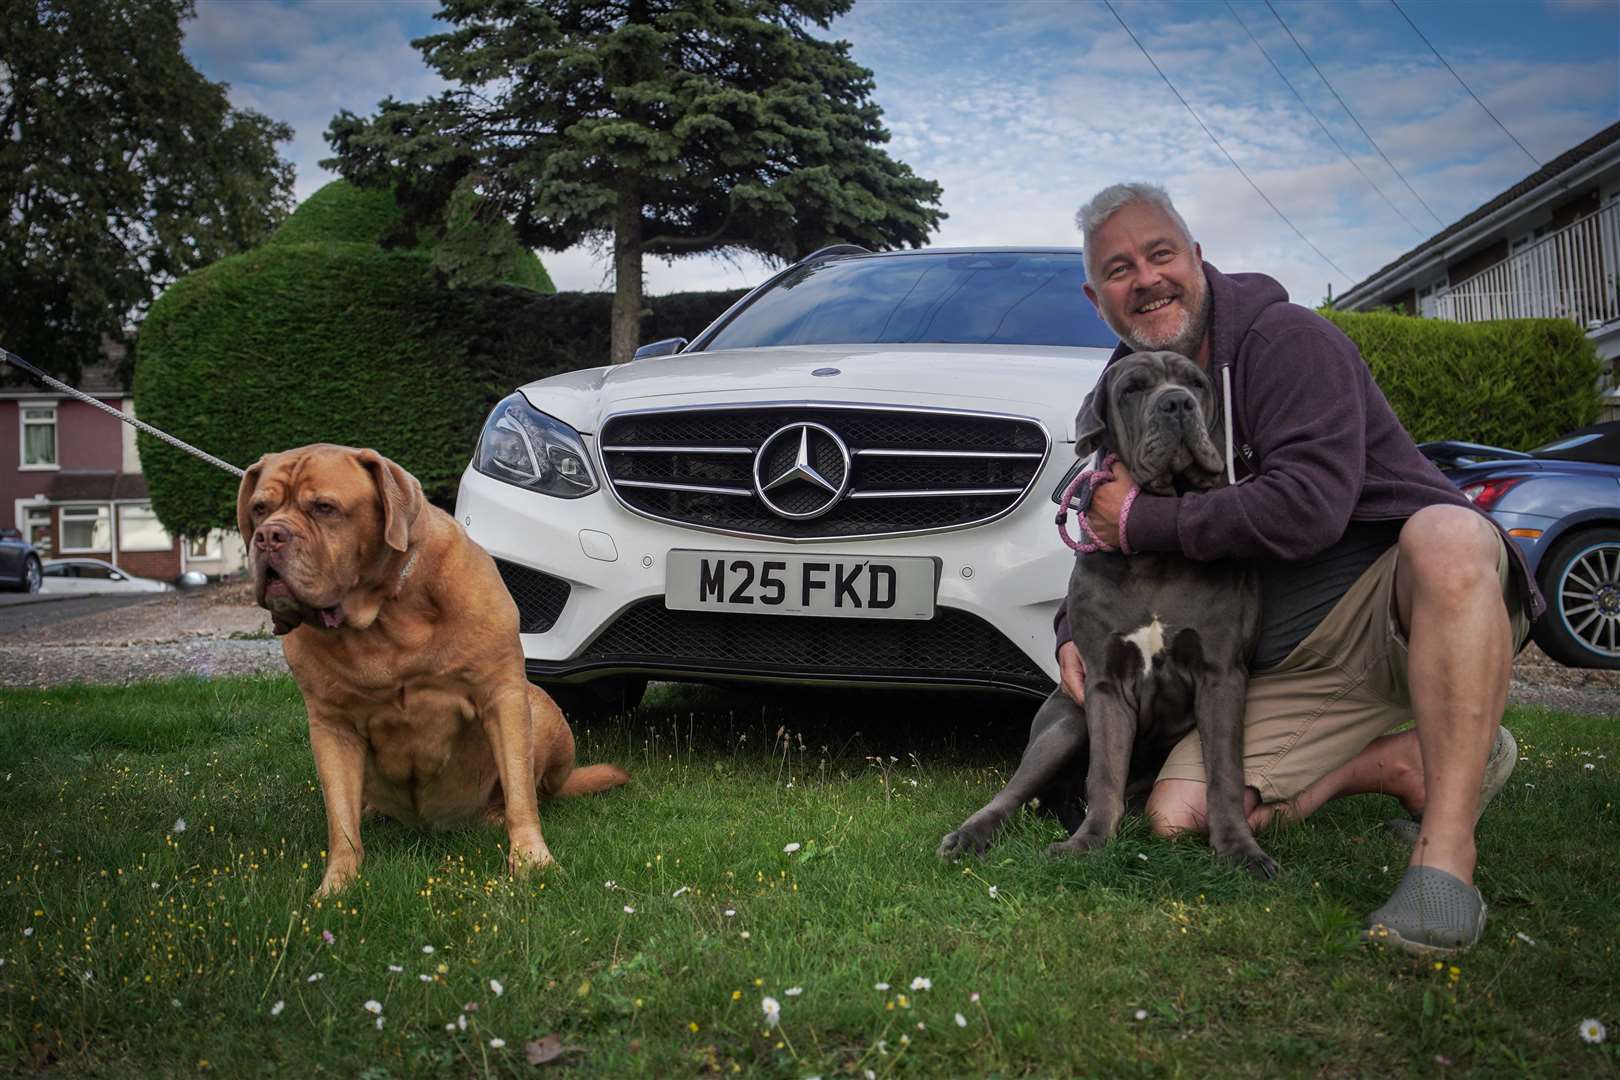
(667, 347)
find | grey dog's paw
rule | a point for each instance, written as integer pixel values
(1253, 859)
(1078, 844)
(963, 841)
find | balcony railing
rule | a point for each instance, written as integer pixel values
(1573, 273)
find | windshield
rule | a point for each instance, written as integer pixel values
(992, 298)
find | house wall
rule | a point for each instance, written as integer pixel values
(1480, 259)
(1587, 202)
(87, 438)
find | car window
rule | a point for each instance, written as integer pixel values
(991, 298)
(95, 570)
(57, 571)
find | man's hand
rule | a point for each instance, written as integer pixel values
(1103, 513)
(1072, 672)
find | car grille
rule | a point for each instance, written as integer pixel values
(954, 646)
(910, 470)
(539, 597)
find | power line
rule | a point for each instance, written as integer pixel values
(1350, 114)
(1218, 145)
(1318, 120)
(1464, 85)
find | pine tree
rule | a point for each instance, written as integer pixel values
(659, 127)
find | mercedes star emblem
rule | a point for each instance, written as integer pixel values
(801, 470)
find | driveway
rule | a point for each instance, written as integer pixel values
(21, 612)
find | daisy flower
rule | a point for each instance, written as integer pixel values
(920, 983)
(791, 848)
(772, 1009)
(496, 988)
(496, 1043)
(1593, 1031)
(374, 1007)
(961, 1021)
(275, 1010)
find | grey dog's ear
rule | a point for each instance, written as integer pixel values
(1091, 422)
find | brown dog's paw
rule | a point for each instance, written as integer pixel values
(333, 883)
(523, 861)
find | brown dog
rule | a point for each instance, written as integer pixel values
(404, 641)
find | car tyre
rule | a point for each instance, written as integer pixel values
(32, 577)
(599, 699)
(1580, 577)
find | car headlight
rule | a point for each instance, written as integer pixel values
(523, 446)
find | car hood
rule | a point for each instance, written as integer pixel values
(1045, 382)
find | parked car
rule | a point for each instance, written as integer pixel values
(848, 478)
(1561, 503)
(94, 576)
(19, 562)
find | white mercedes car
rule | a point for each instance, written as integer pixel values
(850, 478)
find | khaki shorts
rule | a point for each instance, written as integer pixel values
(1341, 688)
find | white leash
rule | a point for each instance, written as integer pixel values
(24, 366)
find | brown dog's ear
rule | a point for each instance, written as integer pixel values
(244, 496)
(1091, 422)
(401, 498)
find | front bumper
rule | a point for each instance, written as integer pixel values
(589, 579)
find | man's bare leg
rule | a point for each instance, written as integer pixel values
(1390, 765)
(1459, 660)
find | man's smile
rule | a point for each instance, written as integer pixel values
(1154, 305)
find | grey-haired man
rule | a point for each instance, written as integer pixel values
(1386, 597)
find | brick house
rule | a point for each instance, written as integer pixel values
(71, 482)
(1547, 247)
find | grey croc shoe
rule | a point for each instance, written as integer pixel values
(1498, 767)
(1430, 912)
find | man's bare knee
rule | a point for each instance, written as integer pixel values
(1177, 806)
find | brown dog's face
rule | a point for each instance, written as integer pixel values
(1160, 415)
(322, 522)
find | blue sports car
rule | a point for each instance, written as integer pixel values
(1561, 504)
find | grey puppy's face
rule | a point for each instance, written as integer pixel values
(1159, 413)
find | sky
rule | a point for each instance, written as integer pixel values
(1364, 141)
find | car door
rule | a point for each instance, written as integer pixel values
(13, 554)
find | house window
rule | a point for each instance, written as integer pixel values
(1427, 298)
(38, 436)
(140, 530)
(37, 528)
(86, 528)
(203, 547)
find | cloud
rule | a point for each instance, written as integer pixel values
(1023, 110)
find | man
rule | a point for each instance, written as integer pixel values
(1386, 597)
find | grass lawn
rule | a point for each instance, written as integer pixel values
(162, 843)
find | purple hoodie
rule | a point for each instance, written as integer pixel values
(1317, 444)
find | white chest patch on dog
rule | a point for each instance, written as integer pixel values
(1149, 641)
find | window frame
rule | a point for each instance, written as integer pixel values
(24, 423)
(125, 508)
(76, 512)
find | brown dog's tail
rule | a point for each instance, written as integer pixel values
(590, 779)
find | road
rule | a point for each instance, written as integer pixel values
(20, 612)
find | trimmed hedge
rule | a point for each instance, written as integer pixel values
(323, 342)
(343, 213)
(1515, 383)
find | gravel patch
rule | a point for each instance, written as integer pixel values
(219, 631)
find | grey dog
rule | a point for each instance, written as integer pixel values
(1165, 639)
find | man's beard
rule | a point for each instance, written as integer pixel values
(1184, 341)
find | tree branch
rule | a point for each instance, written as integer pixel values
(687, 243)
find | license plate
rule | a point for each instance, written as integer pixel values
(843, 586)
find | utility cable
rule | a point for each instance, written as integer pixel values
(1318, 120)
(1350, 114)
(1464, 85)
(1221, 148)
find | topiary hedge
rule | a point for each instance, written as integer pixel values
(322, 342)
(1515, 383)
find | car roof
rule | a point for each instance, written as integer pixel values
(1000, 249)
